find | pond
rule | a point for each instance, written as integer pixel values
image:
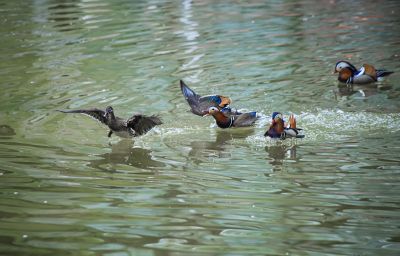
(188, 187)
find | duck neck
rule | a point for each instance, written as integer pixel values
(110, 117)
(352, 68)
(277, 128)
(346, 75)
(222, 120)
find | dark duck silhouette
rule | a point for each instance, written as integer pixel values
(349, 74)
(277, 128)
(135, 126)
(199, 105)
(225, 120)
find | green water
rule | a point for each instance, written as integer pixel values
(188, 187)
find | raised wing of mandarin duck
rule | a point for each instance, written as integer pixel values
(135, 126)
(277, 128)
(227, 121)
(199, 105)
(366, 74)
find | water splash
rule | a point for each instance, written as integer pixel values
(333, 125)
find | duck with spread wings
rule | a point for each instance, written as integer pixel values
(134, 126)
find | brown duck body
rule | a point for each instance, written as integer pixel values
(277, 128)
(224, 120)
(366, 74)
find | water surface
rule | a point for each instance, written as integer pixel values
(187, 187)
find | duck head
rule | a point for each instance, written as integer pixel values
(340, 65)
(109, 112)
(277, 126)
(276, 116)
(218, 115)
(212, 111)
(277, 122)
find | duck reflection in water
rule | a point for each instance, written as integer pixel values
(6, 130)
(205, 149)
(279, 152)
(123, 152)
(359, 91)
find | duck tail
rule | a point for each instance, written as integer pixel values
(382, 73)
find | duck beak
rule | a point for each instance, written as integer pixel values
(334, 72)
(206, 113)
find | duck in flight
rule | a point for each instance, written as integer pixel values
(199, 105)
(134, 126)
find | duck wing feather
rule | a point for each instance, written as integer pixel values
(94, 113)
(141, 124)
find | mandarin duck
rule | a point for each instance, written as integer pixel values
(225, 120)
(134, 126)
(366, 74)
(277, 128)
(199, 105)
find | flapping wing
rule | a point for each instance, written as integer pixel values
(200, 104)
(95, 113)
(142, 124)
(193, 99)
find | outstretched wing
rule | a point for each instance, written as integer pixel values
(142, 124)
(192, 98)
(95, 113)
(200, 104)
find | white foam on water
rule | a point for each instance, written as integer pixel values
(331, 125)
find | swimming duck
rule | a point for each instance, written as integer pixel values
(200, 104)
(366, 74)
(225, 120)
(135, 126)
(277, 128)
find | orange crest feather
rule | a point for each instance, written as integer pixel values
(370, 70)
(224, 101)
(292, 121)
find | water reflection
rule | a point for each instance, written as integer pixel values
(124, 153)
(65, 15)
(189, 32)
(210, 195)
(356, 91)
(6, 130)
(201, 149)
(279, 152)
